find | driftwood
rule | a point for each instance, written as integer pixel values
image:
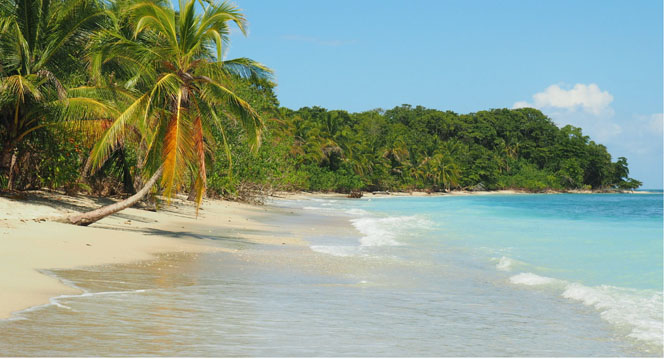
(380, 192)
(355, 194)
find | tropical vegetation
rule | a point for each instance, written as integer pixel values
(418, 149)
(136, 97)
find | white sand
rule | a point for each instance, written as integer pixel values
(27, 246)
(304, 195)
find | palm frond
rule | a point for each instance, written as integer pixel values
(79, 17)
(248, 69)
(236, 108)
(104, 146)
(151, 15)
(19, 86)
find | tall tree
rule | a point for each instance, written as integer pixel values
(180, 89)
(41, 42)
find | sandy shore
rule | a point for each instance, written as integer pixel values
(382, 194)
(28, 245)
(303, 195)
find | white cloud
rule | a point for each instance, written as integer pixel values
(600, 128)
(606, 132)
(638, 137)
(647, 125)
(585, 106)
(522, 104)
(644, 135)
(589, 98)
(656, 123)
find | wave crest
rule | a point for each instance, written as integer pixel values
(637, 313)
(384, 231)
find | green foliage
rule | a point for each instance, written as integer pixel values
(323, 179)
(570, 173)
(42, 43)
(530, 177)
(61, 160)
(51, 157)
(620, 175)
(415, 148)
(177, 106)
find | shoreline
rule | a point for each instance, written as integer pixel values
(388, 194)
(30, 245)
(252, 238)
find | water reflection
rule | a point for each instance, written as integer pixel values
(275, 303)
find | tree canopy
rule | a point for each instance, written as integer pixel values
(415, 148)
(99, 96)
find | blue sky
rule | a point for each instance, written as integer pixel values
(594, 64)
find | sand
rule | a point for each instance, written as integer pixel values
(381, 194)
(28, 245)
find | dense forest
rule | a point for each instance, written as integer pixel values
(110, 97)
(411, 148)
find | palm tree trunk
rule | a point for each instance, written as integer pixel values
(12, 166)
(84, 219)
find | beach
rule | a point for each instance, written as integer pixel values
(312, 274)
(30, 243)
(31, 240)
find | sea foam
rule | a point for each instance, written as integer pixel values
(384, 231)
(505, 264)
(356, 212)
(532, 279)
(338, 251)
(636, 313)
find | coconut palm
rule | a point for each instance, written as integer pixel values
(38, 41)
(440, 170)
(180, 91)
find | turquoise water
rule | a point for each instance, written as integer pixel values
(613, 239)
(604, 251)
(490, 276)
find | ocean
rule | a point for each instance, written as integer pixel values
(482, 275)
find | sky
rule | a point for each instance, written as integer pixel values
(592, 64)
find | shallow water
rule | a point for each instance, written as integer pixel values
(406, 282)
(604, 251)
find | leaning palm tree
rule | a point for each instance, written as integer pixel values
(180, 89)
(39, 40)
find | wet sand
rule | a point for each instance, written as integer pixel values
(240, 281)
(29, 245)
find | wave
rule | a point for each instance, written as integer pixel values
(55, 301)
(311, 208)
(636, 313)
(505, 264)
(533, 279)
(338, 251)
(356, 212)
(330, 209)
(384, 231)
(375, 231)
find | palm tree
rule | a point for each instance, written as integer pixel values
(180, 91)
(448, 172)
(38, 40)
(441, 171)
